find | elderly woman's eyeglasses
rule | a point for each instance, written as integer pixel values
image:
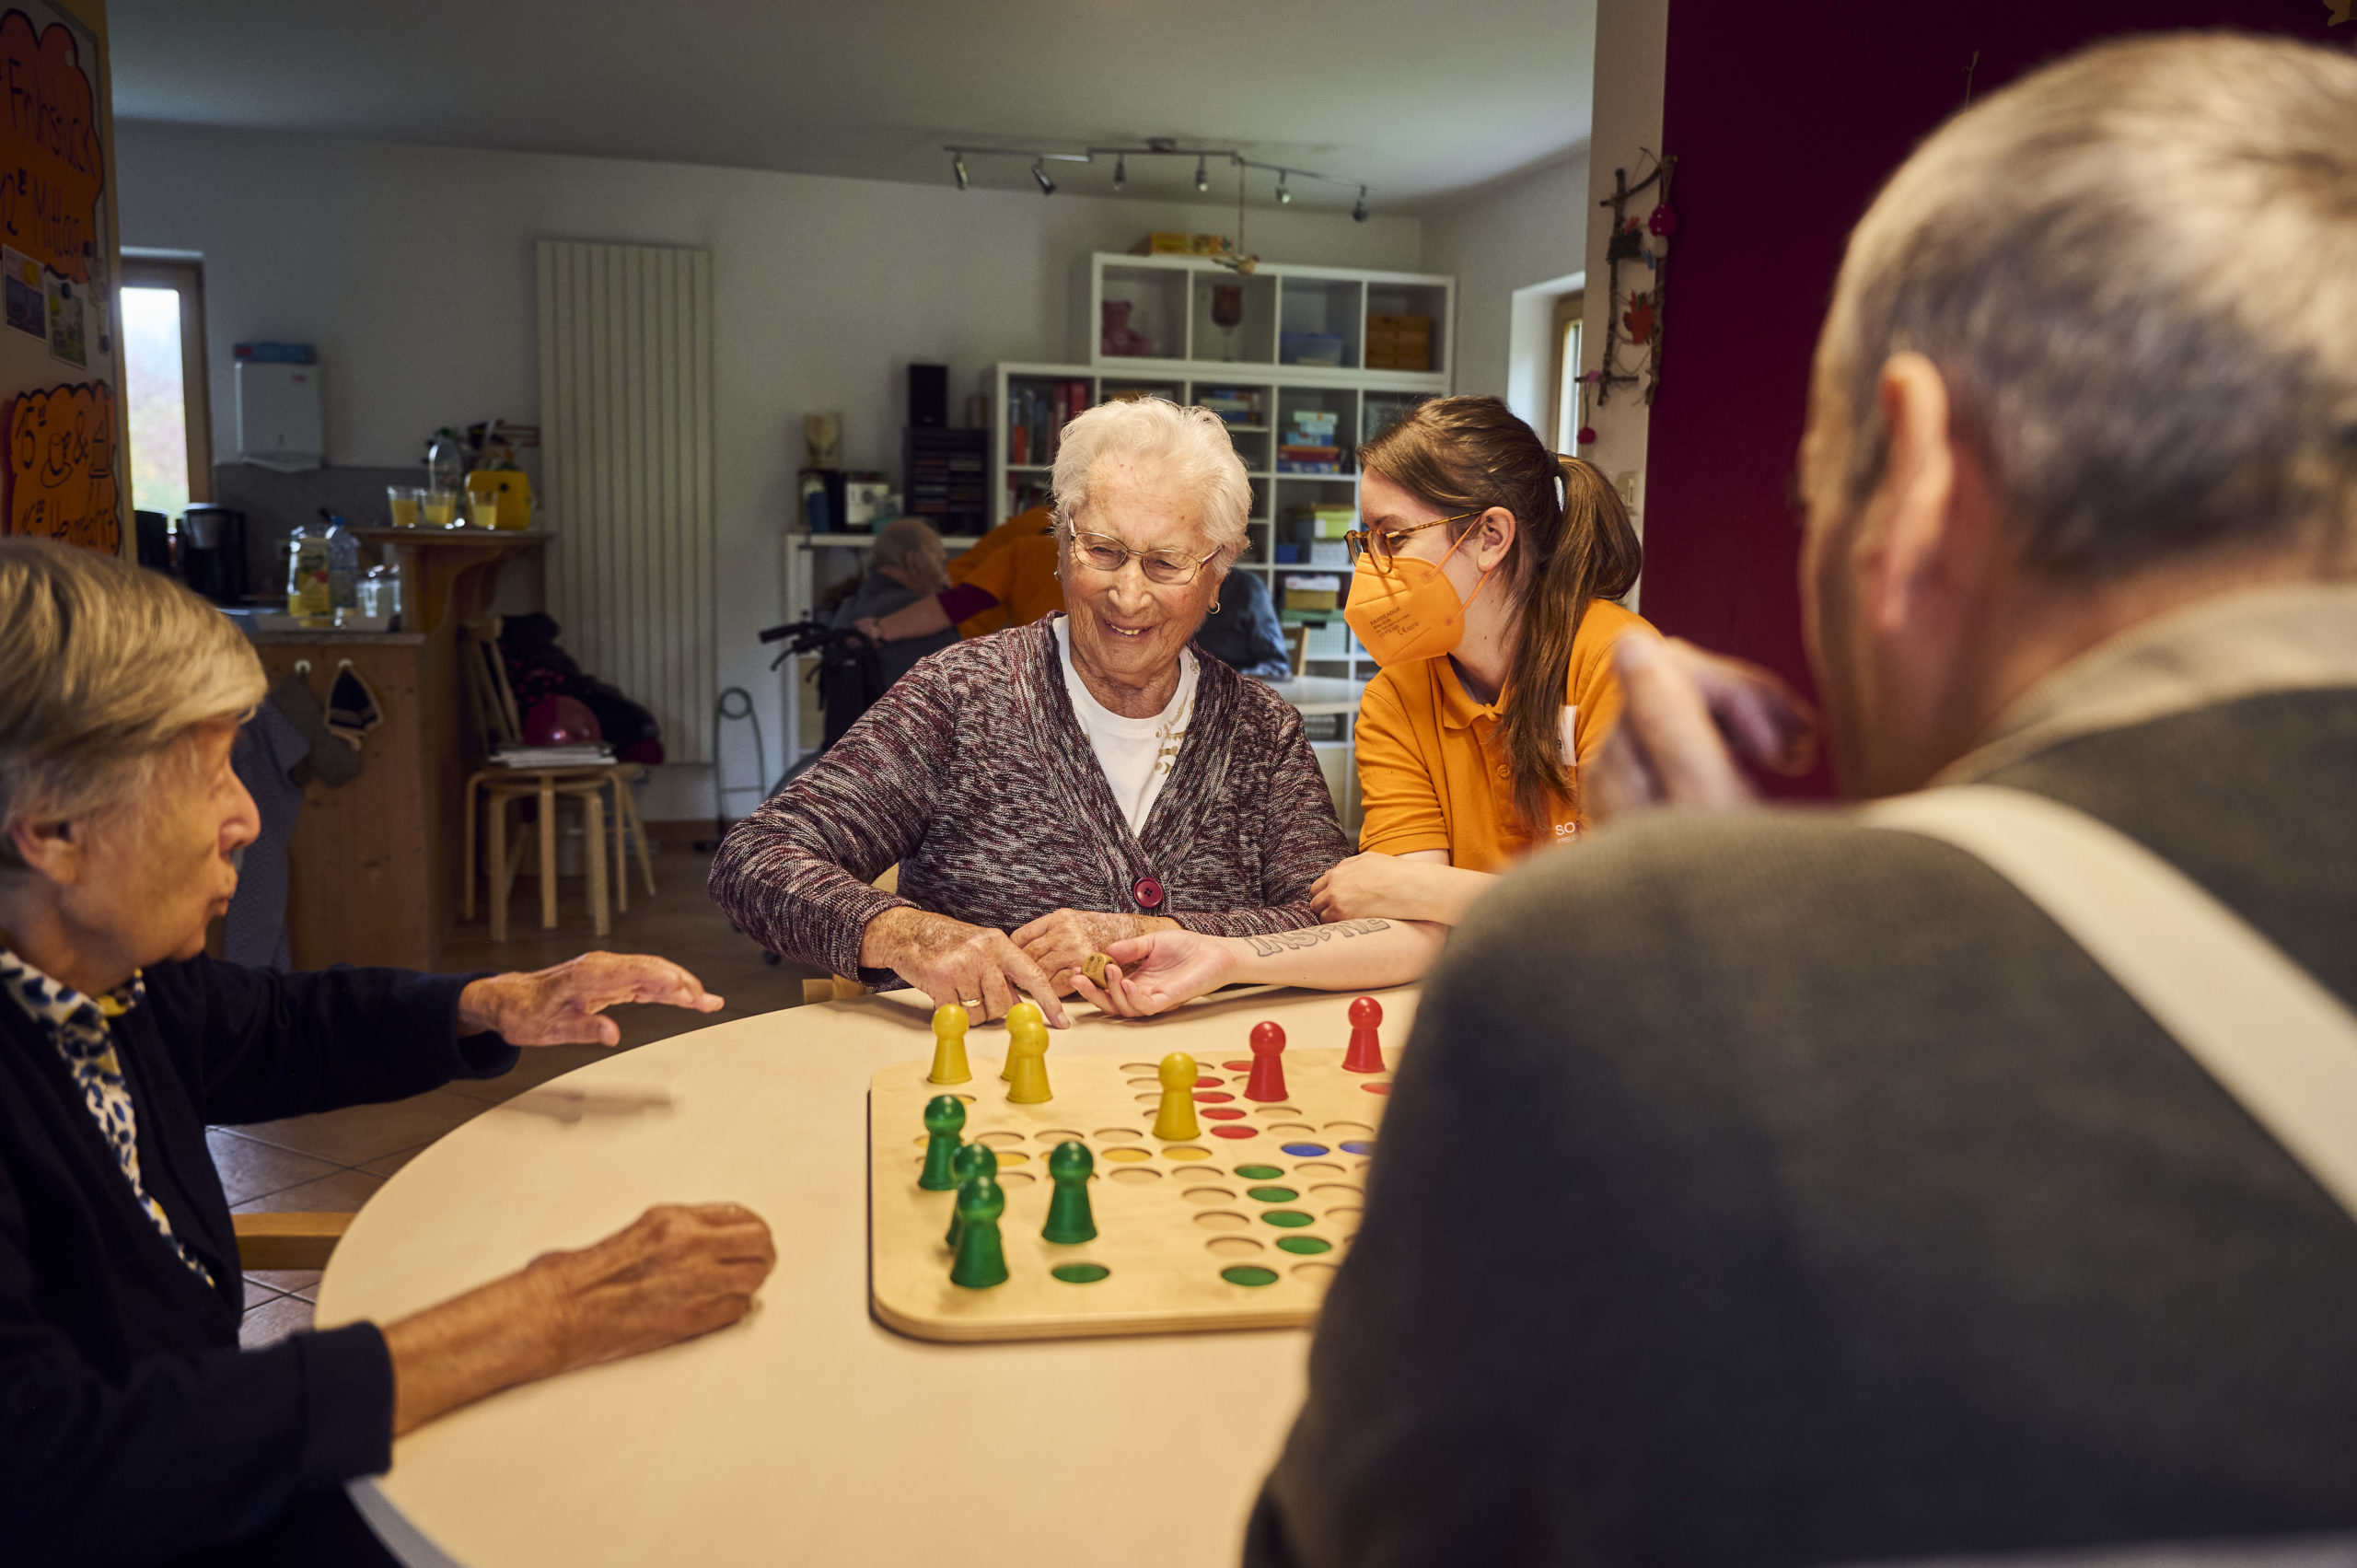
(1167, 567)
(1380, 548)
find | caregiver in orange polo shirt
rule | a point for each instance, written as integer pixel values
(1484, 573)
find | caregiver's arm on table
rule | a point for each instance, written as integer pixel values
(1419, 884)
(1153, 973)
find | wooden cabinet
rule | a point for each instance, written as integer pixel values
(368, 869)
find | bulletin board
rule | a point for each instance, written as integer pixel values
(61, 358)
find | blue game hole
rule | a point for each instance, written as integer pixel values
(1307, 1148)
(1359, 1146)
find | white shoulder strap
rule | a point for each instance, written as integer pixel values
(2279, 1041)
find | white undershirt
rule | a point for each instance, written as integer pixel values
(1136, 754)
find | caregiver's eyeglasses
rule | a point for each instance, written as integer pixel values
(1381, 547)
(1108, 555)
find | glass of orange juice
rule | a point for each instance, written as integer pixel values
(483, 508)
(441, 509)
(401, 500)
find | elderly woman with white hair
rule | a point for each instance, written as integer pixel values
(1052, 789)
(132, 1428)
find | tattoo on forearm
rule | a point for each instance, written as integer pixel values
(1271, 946)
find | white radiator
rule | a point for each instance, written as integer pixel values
(626, 426)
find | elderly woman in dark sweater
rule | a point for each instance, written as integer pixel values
(132, 1428)
(1052, 789)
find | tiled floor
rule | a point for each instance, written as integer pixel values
(334, 1161)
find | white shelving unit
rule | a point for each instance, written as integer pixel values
(1172, 300)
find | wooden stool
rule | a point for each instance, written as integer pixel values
(499, 787)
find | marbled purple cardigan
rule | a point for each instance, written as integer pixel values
(975, 778)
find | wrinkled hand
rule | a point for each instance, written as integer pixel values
(974, 966)
(1061, 940)
(1157, 971)
(564, 1006)
(1692, 723)
(676, 1272)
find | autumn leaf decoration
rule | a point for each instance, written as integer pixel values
(1639, 318)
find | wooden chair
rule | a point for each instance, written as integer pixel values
(287, 1240)
(1297, 648)
(498, 723)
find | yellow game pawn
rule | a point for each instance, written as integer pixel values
(950, 1046)
(1021, 1016)
(1174, 1118)
(1027, 1065)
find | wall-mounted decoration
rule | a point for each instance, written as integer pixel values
(1632, 320)
(60, 482)
(61, 367)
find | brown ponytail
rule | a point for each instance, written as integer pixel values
(1471, 454)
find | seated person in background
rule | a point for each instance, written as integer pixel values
(132, 1426)
(1243, 631)
(1486, 568)
(1008, 578)
(906, 563)
(1052, 788)
(1858, 1216)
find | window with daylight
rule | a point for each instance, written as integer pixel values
(1565, 425)
(165, 386)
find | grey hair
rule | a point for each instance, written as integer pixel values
(900, 540)
(2137, 272)
(103, 667)
(1190, 447)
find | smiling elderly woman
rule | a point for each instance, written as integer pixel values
(132, 1428)
(1050, 790)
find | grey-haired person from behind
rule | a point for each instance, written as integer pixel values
(1771, 1188)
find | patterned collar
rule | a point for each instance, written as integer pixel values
(57, 1006)
(80, 1028)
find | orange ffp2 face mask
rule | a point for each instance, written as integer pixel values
(1412, 611)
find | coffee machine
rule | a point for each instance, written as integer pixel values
(212, 552)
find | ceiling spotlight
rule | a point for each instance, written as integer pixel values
(958, 167)
(1202, 175)
(1358, 214)
(1120, 171)
(1040, 173)
(1285, 197)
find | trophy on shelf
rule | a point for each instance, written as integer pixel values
(1227, 314)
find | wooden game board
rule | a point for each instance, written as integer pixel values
(1185, 1237)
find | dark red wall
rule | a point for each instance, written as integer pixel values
(1784, 119)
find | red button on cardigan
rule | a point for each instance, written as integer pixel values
(1149, 893)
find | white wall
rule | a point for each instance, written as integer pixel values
(411, 268)
(1521, 232)
(1631, 54)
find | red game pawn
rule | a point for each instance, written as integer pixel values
(1365, 1054)
(1267, 1079)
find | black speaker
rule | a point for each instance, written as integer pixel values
(929, 396)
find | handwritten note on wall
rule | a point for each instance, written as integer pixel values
(59, 369)
(61, 474)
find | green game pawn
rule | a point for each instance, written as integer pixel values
(982, 1254)
(1069, 1219)
(944, 1115)
(974, 1159)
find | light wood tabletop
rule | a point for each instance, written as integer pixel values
(808, 1433)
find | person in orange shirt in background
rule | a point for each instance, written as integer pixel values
(1008, 578)
(1483, 589)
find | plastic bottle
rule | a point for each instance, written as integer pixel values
(343, 566)
(308, 596)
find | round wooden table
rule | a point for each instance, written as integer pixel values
(809, 1431)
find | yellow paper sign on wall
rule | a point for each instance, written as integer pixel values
(61, 474)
